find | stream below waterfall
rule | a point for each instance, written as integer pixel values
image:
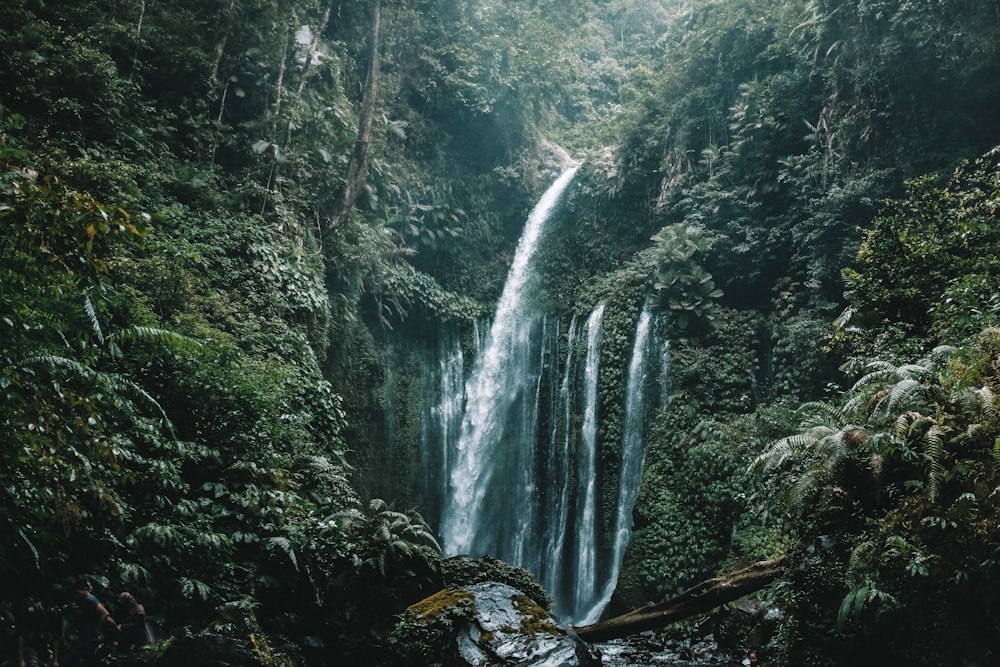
(639, 652)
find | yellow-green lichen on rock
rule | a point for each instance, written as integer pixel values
(429, 609)
(534, 619)
(487, 624)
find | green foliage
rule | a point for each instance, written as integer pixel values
(894, 473)
(692, 495)
(920, 264)
(214, 471)
(683, 288)
(54, 224)
(386, 537)
(387, 561)
(425, 293)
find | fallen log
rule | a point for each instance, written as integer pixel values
(696, 600)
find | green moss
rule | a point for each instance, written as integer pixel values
(536, 620)
(429, 609)
(464, 571)
(428, 628)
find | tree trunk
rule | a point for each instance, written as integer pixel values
(357, 168)
(220, 45)
(696, 600)
(307, 69)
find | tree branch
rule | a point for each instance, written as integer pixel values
(699, 598)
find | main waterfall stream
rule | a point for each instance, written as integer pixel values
(511, 443)
(495, 454)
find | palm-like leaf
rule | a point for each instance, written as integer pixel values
(162, 336)
(934, 450)
(95, 323)
(284, 545)
(902, 393)
(116, 385)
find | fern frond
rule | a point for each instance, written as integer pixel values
(377, 505)
(803, 490)
(420, 532)
(942, 353)
(902, 428)
(833, 445)
(162, 336)
(903, 392)
(878, 372)
(54, 361)
(987, 402)
(859, 563)
(933, 442)
(95, 323)
(819, 413)
(317, 464)
(779, 452)
(285, 545)
(129, 389)
(913, 371)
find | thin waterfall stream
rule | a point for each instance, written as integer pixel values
(632, 455)
(585, 575)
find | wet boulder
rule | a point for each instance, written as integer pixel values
(489, 624)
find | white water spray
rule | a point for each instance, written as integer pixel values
(632, 455)
(497, 387)
(586, 518)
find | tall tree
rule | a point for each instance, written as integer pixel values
(357, 168)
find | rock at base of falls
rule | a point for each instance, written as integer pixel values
(492, 624)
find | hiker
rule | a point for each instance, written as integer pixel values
(133, 625)
(91, 620)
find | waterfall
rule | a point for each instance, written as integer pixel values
(511, 443)
(586, 517)
(632, 455)
(558, 462)
(442, 420)
(496, 445)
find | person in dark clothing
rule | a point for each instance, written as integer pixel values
(91, 620)
(36, 635)
(133, 625)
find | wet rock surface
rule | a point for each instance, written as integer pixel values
(510, 629)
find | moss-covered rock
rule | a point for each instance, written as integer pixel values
(486, 624)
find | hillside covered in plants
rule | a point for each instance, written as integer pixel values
(236, 235)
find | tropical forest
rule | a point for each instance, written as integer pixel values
(500, 332)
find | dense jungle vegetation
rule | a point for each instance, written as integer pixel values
(216, 214)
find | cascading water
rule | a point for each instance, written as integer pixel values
(632, 455)
(558, 465)
(491, 454)
(442, 420)
(511, 444)
(586, 497)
